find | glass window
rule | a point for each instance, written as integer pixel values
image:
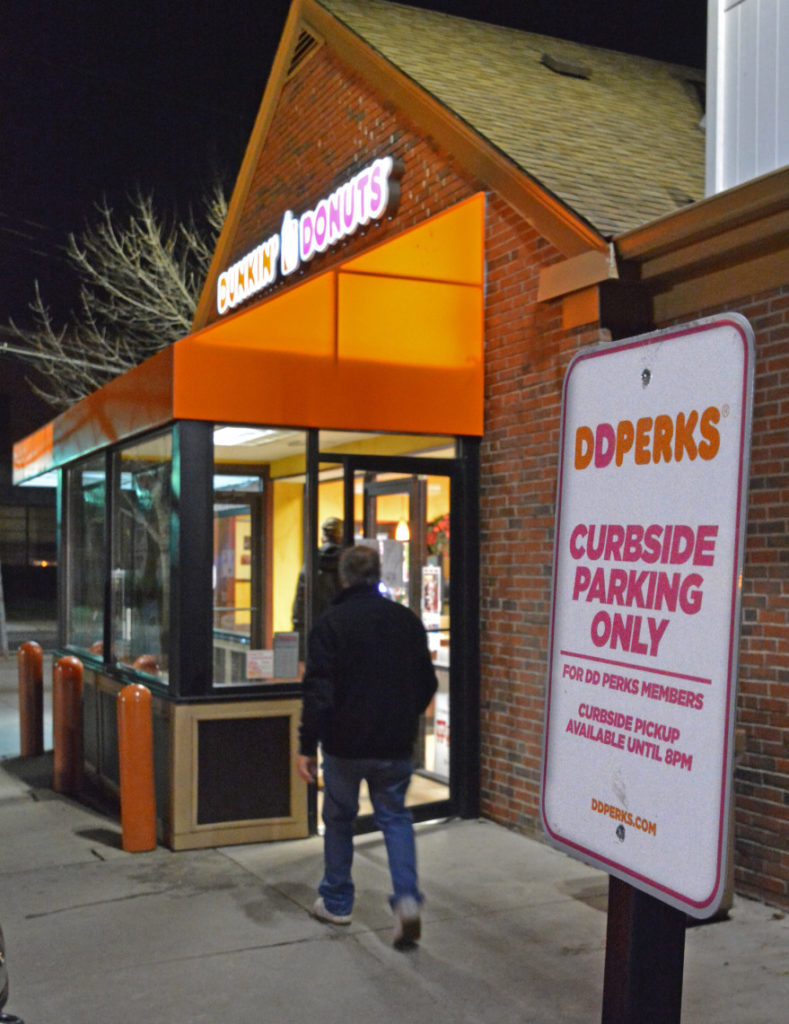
(27, 535)
(85, 545)
(258, 517)
(41, 528)
(141, 556)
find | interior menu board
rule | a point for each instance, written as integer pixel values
(651, 506)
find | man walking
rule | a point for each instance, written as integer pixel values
(327, 582)
(368, 678)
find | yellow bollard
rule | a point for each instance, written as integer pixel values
(31, 699)
(68, 761)
(135, 755)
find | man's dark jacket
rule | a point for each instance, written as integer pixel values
(327, 587)
(368, 678)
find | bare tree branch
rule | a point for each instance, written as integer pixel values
(140, 282)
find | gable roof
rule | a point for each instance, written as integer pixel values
(619, 147)
(581, 159)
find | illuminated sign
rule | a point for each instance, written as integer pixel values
(645, 618)
(368, 196)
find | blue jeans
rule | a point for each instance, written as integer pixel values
(387, 782)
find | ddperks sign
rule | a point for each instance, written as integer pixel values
(645, 616)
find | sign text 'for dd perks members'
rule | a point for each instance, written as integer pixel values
(645, 612)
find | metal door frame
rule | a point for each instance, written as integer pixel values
(463, 474)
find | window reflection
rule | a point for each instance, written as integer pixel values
(257, 540)
(85, 583)
(141, 556)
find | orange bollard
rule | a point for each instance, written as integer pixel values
(31, 699)
(68, 762)
(135, 755)
(147, 663)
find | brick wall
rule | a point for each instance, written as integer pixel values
(526, 355)
(761, 777)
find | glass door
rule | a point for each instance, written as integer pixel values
(421, 511)
(408, 516)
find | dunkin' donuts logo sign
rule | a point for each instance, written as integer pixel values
(368, 196)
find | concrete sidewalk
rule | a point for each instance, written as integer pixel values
(513, 931)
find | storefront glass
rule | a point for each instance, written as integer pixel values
(258, 539)
(408, 517)
(393, 491)
(141, 555)
(85, 516)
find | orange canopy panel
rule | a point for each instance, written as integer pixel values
(389, 341)
(138, 400)
(33, 454)
(445, 248)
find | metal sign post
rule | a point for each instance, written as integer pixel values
(645, 615)
(644, 958)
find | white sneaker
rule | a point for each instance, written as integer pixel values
(319, 910)
(407, 923)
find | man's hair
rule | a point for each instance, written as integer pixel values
(360, 564)
(331, 529)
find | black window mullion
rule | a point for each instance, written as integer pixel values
(464, 750)
(191, 549)
(111, 485)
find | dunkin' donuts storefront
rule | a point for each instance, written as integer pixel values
(192, 490)
(381, 339)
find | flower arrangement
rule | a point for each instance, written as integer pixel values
(438, 536)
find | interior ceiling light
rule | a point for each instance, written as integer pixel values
(402, 532)
(229, 436)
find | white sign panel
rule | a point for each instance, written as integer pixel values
(645, 616)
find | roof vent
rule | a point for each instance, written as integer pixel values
(306, 45)
(562, 66)
(679, 197)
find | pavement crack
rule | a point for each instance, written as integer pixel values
(98, 903)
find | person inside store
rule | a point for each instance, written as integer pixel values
(368, 678)
(327, 582)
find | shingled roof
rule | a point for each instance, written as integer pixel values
(616, 137)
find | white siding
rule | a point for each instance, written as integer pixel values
(747, 90)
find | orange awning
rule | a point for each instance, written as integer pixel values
(389, 341)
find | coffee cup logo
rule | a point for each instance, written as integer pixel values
(289, 247)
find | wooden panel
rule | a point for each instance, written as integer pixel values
(242, 719)
(90, 727)
(107, 696)
(574, 274)
(687, 297)
(243, 769)
(581, 307)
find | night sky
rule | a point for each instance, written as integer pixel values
(98, 98)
